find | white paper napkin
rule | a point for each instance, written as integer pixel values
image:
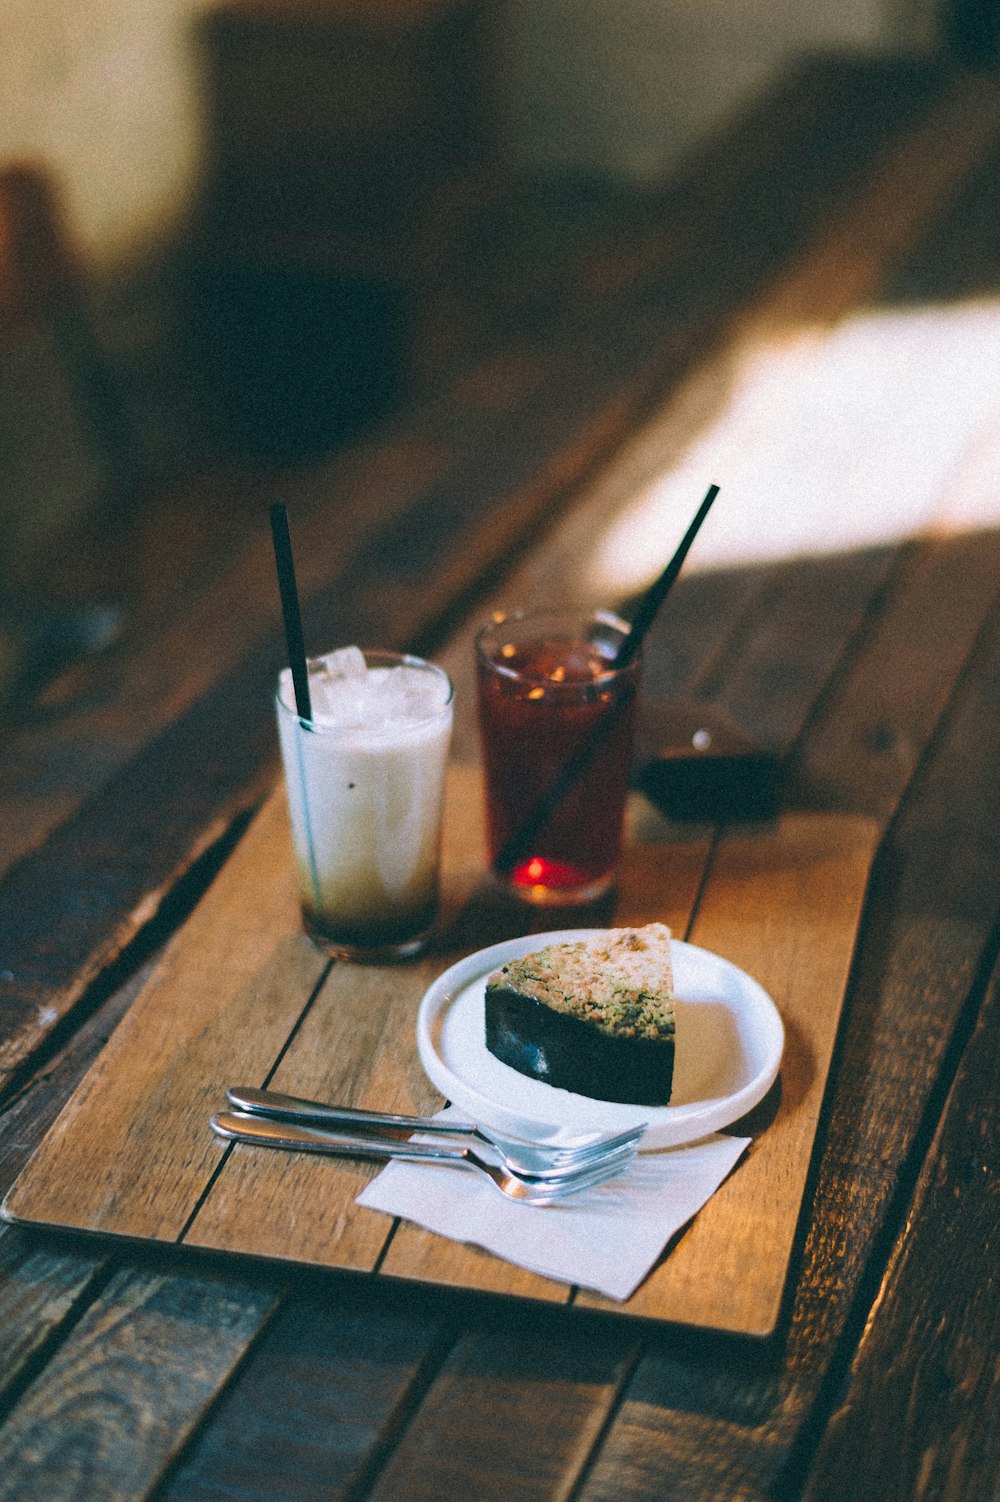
(606, 1238)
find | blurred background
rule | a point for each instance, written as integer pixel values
(251, 231)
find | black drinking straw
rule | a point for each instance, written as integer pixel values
(658, 591)
(290, 611)
(519, 844)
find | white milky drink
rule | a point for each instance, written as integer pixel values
(365, 780)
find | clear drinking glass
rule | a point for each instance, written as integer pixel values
(365, 778)
(550, 700)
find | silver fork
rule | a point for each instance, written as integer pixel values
(523, 1157)
(241, 1126)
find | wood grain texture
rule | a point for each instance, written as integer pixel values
(819, 604)
(354, 1045)
(132, 1154)
(476, 1436)
(244, 961)
(127, 1387)
(39, 1289)
(784, 906)
(27, 1118)
(874, 726)
(187, 626)
(44, 1286)
(321, 1395)
(695, 1424)
(926, 1362)
(224, 1007)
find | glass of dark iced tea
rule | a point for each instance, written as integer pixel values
(551, 701)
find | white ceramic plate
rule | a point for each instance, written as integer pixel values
(728, 1049)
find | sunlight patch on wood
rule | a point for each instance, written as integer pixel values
(885, 427)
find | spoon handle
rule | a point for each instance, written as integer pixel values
(244, 1126)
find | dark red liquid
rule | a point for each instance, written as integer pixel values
(531, 725)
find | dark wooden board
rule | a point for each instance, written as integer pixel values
(486, 1376)
(926, 1365)
(875, 724)
(347, 1375)
(40, 1287)
(128, 1384)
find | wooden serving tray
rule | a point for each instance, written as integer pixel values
(241, 996)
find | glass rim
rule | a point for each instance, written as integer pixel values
(374, 657)
(552, 612)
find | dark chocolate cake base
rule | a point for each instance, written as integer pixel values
(574, 1055)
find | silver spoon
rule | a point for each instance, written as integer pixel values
(241, 1126)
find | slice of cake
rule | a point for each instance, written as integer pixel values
(595, 1017)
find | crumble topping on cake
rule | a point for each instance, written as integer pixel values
(620, 983)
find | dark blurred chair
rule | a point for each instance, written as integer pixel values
(42, 291)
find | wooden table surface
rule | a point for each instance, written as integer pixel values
(131, 1373)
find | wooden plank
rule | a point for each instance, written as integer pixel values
(484, 1469)
(26, 1119)
(704, 1426)
(640, 883)
(44, 1286)
(486, 1431)
(40, 1288)
(750, 1411)
(320, 1396)
(224, 1001)
(228, 736)
(779, 904)
(864, 746)
(696, 622)
(819, 604)
(186, 626)
(721, 636)
(913, 182)
(926, 1361)
(356, 1045)
(127, 1386)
